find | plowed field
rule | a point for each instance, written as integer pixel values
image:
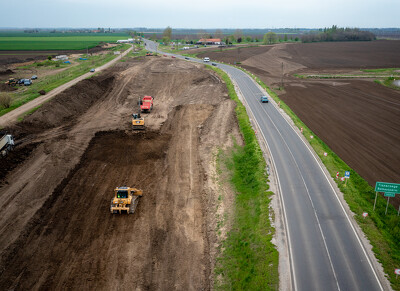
(56, 231)
(358, 119)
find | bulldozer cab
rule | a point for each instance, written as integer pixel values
(136, 115)
(122, 193)
(125, 200)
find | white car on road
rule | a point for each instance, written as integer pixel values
(206, 59)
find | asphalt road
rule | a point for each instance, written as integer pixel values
(325, 251)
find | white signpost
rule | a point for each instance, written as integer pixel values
(365, 214)
(346, 176)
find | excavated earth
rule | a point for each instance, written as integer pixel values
(56, 231)
(357, 118)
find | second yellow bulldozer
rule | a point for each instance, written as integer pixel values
(125, 199)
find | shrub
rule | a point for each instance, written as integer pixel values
(5, 100)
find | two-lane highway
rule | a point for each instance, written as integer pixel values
(325, 250)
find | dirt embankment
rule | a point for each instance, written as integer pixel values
(56, 229)
(358, 119)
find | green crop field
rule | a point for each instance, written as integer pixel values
(55, 41)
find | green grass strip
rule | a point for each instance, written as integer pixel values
(383, 231)
(249, 260)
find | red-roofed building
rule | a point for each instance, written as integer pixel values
(210, 41)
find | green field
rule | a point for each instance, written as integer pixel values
(55, 41)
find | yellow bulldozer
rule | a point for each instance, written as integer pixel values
(125, 199)
(137, 120)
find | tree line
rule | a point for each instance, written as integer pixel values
(338, 34)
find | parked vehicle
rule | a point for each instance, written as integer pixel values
(92, 70)
(6, 144)
(27, 82)
(34, 77)
(146, 104)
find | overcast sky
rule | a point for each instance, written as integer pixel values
(201, 13)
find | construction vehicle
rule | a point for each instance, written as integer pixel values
(146, 104)
(6, 144)
(12, 82)
(125, 199)
(137, 120)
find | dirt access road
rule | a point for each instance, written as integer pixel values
(358, 119)
(56, 231)
(13, 115)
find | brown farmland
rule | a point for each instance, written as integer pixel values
(358, 119)
(56, 229)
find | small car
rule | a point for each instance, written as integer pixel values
(92, 70)
(34, 77)
(214, 64)
(264, 99)
(186, 58)
(206, 59)
(27, 82)
(173, 57)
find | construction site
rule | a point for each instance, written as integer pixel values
(70, 155)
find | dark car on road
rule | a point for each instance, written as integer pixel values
(214, 64)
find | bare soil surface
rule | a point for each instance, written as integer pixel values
(358, 119)
(56, 231)
(11, 57)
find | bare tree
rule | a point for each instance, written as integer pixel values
(203, 34)
(218, 34)
(238, 34)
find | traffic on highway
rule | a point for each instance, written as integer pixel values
(325, 250)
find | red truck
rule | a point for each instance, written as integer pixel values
(146, 105)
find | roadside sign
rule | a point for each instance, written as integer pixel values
(390, 194)
(397, 271)
(311, 136)
(325, 154)
(347, 174)
(365, 214)
(342, 179)
(337, 175)
(387, 187)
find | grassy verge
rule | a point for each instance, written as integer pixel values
(248, 259)
(383, 231)
(51, 82)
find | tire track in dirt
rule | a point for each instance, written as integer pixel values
(70, 240)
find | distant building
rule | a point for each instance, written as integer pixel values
(210, 41)
(129, 40)
(61, 58)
